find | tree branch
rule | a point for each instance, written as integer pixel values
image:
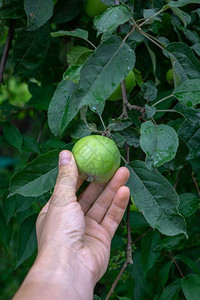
(141, 236)
(116, 280)
(193, 178)
(6, 50)
(173, 259)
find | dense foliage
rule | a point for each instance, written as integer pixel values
(61, 68)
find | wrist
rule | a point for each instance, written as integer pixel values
(63, 273)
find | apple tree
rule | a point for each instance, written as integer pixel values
(128, 70)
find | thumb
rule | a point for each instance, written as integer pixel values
(65, 188)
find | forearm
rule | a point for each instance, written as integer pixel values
(57, 286)
(50, 278)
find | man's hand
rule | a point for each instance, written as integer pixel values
(74, 235)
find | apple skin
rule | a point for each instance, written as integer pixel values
(130, 83)
(94, 8)
(97, 158)
(170, 77)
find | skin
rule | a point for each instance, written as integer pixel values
(74, 235)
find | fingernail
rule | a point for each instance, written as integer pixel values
(64, 158)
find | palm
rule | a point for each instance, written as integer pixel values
(85, 226)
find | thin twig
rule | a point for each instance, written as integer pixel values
(150, 18)
(6, 49)
(177, 179)
(41, 128)
(116, 280)
(124, 114)
(129, 258)
(141, 236)
(195, 182)
(173, 259)
(91, 44)
(149, 37)
(135, 107)
(161, 100)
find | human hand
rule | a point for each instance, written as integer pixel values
(74, 235)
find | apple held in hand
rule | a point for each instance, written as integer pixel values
(129, 82)
(94, 8)
(97, 158)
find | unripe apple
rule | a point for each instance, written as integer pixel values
(170, 77)
(97, 158)
(94, 8)
(129, 82)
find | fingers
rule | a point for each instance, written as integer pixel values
(100, 207)
(116, 211)
(79, 183)
(65, 188)
(89, 195)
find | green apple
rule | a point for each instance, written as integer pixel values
(170, 77)
(94, 8)
(97, 158)
(130, 83)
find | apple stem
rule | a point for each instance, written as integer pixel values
(90, 178)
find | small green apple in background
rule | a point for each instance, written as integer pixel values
(94, 8)
(97, 158)
(130, 84)
(170, 77)
(133, 206)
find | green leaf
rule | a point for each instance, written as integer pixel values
(188, 92)
(77, 55)
(61, 109)
(67, 10)
(159, 142)
(156, 199)
(30, 144)
(5, 230)
(8, 206)
(191, 286)
(38, 12)
(119, 124)
(37, 177)
(112, 18)
(12, 135)
(196, 48)
(180, 3)
(149, 254)
(12, 9)
(137, 271)
(189, 203)
(119, 139)
(73, 73)
(189, 262)
(132, 137)
(189, 130)
(36, 44)
(164, 273)
(41, 95)
(192, 36)
(78, 32)
(171, 291)
(102, 73)
(183, 16)
(27, 241)
(149, 90)
(149, 111)
(185, 62)
(79, 130)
